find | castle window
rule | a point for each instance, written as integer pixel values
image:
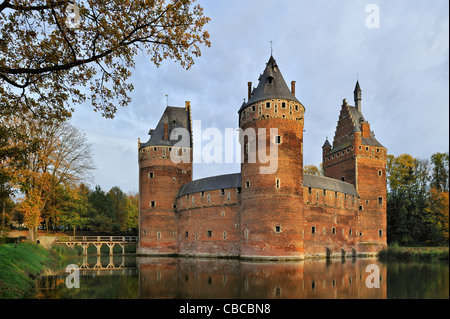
(253, 108)
(380, 173)
(152, 203)
(277, 183)
(202, 193)
(296, 107)
(193, 200)
(158, 235)
(277, 139)
(380, 233)
(335, 194)
(259, 110)
(196, 235)
(228, 196)
(278, 229)
(324, 192)
(313, 229)
(246, 233)
(247, 184)
(283, 105)
(359, 147)
(342, 178)
(367, 148)
(209, 233)
(174, 205)
(151, 175)
(154, 149)
(380, 200)
(309, 190)
(360, 233)
(224, 235)
(238, 190)
(333, 230)
(378, 150)
(324, 230)
(222, 192)
(350, 232)
(222, 213)
(208, 198)
(360, 207)
(186, 234)
(268, 105)
(290, 110)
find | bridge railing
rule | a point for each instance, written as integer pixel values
(131, 239)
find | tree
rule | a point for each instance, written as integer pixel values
(120, 206)
(406, 199)
(440, 172)
(51, 50)
(133, 212)
(64, 158)
(102, 217)
(436, 215)
(313, 170)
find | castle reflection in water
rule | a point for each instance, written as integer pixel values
(236, 279)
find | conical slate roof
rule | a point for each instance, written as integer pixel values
(271, 85)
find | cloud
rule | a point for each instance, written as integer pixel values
(322, 45)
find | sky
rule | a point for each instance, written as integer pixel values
(400, 58)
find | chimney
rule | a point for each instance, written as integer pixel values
(249, 90)
(293, 87)
(188, 105)
(166, 131)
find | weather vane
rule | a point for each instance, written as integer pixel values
(271, 48)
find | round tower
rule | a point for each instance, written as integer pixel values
(271, 125)
(165, 164)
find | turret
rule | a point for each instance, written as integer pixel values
(272, 171)
(160, 177)
(357, 96)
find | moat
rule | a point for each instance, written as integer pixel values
(134, 277)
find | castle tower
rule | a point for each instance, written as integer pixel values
(356, 157)
(165, 164)
(272, 198)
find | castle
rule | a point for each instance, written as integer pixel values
(285, 214)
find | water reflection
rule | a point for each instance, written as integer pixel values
(134, 277)
(232, 279)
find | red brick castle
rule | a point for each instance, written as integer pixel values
(284, 214)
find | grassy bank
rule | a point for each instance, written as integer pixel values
(19, 266)
(429, 254)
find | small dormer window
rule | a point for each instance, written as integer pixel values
(270, 80)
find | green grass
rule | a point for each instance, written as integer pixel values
(19, 267)
(428, 254)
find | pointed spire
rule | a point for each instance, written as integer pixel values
(357, 96)
(326, 144)
(271, 85)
